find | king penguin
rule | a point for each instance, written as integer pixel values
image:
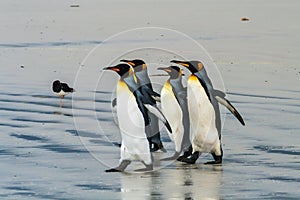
(132, 111)
(174, 106)
(204, 114)
(143, 80)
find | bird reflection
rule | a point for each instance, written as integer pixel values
(136, 186)
(178, 181)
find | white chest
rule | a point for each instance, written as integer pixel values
(172, 111)
(130, 118)
(203, 132)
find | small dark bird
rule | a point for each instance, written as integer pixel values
(61, 90)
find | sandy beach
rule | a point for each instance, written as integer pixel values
(48, 152)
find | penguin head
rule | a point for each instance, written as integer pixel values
(137, 64)
(173, 71)
(123, 70)
(193, 66)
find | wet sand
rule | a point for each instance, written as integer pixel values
(49, 152)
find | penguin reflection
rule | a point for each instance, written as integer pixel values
(189, 182)
(192, 182)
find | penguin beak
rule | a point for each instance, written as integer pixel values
(166, 69)
(128, 62)
(112, 68)
(182, 63)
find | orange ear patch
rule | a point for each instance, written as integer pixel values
(184, 64)
(168, 70)
(144, 66)
(200, 66)
(131, 63)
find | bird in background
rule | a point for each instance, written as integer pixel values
(204, 114)
(143, 80)
(61, 90)
(175, 108)
(133, 108)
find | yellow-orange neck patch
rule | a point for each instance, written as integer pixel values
(144, 66)
(193, 78)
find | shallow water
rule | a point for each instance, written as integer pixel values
(43, 157)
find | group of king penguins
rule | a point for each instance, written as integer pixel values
(191, 114)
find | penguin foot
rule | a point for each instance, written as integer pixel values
(216, 162)
(192, 159)
(121, 167)
(157, 147)
(113, 170)
(180, 158)
(218, 159)
(187, 160)
(186, 154)
(168, 158)
(148, 168)
(163, 150)
(175, 156)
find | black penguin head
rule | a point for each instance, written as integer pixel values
(137, 64)
(123, 70)
(56, 86)
(193, 66)
(173, 71)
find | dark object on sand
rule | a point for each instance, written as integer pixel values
(245, 19)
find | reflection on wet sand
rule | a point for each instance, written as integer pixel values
(178, 182)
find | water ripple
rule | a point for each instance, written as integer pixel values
(29, 137)
(278, 149)
(47, 44)
(100, 187)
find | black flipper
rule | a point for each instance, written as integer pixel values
(139, 99)
(148, 91)
(159, 115)
(220, 97)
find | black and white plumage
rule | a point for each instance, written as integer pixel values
(145, 85)
(61, 90)
(174, 107)
(133, 110)
(205, 120)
